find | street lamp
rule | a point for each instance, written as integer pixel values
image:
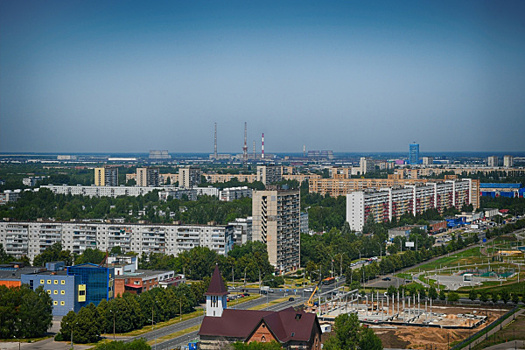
(113, 313)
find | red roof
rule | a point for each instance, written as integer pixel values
(217, 286)
(232, 323)
(285, 325)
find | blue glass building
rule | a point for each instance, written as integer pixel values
(413, 154)
(96, 282)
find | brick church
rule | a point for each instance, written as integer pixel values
(290, 328)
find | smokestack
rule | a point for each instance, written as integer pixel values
(304, 151)
(215, 143)
(262, 147)
(254, 154)
(245, 147)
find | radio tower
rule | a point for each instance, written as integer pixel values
(215, 143)
(262, 147)
(245, 147)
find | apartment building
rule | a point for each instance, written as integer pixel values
(276, 222)
(508, 161)
(148, 177)
(492, 161)
(341, 186)
(102, 191)
(221, 178)
(32, 238)
(390, 203)
(106, 176)
(232, 193)
(189, 176)
(242, 230)
(268, 174)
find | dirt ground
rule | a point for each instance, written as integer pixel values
(433, 337)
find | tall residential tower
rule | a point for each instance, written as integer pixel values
(276, 222)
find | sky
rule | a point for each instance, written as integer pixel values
(348, 76)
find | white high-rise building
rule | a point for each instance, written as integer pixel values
(508, 161)
(388, 203)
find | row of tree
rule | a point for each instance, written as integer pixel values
(249, 260)
(131, 311)
(45, 204)
(24, 313)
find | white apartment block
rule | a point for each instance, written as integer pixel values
(242, 230)
(32, 238)
(232, 193)
(508, 161)
(389, 203)
(276, 222)
(101, 191)
(492, 161)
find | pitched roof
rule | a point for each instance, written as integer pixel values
(290, 325)
(232, 323)
(217, 286)
(286, 325)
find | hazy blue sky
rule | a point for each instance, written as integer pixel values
(130, 76)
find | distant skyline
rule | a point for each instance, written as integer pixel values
(348, 76)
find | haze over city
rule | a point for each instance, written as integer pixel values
(99, 76)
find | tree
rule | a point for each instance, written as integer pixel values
(432, 293)
(346, 336)
(350, 335)
(4, 257)
(442, 295)
(453, 297)
(369, 340)
(137, 344)
(515, 298)
(53, 253)
(505, 295)
(483, 296)
(473, 295)
(495, 297)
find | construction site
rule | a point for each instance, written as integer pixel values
(404, 321)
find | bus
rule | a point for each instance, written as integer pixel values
(328, 280)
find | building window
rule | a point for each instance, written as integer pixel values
(48, 281)
(62, 303)
(63, 282)
(48, 291)
(55, 291)
(55, 302)
(42, 281)
(55, 281)
(63, 292)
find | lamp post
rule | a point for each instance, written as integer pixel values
(113, 313)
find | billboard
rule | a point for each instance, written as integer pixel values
(409, 244)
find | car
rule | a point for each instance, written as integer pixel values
(270, 290)
(308, 289)
(246, 294)
(387, 279)
(291, 299)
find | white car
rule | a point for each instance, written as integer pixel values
(308, 289)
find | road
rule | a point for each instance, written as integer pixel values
(185, 339)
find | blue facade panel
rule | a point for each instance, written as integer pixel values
(98, 281)
(61, 288)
